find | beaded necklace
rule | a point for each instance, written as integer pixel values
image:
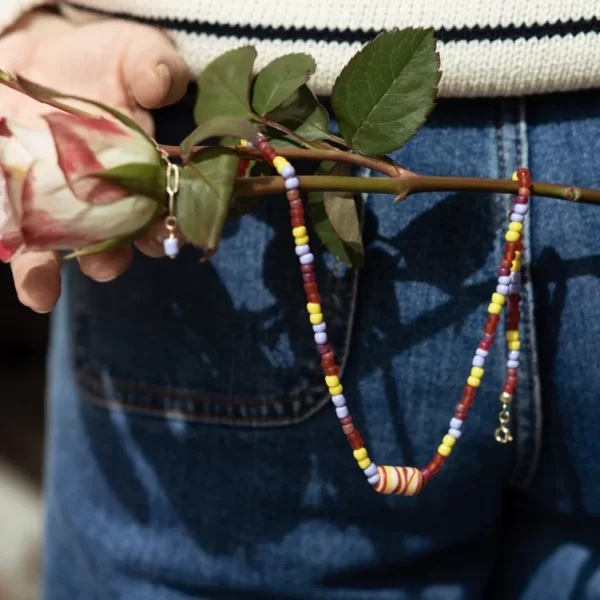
(409, 481)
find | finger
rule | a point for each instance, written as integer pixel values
(37, 280)
(153, 71)
(106, 266)
(152, 243)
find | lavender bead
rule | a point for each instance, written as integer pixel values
(482, 352)
(504, 280)
(514, 354)
(516, 278)
(307, 259)
(371, 470)
(374, 480)
(516, 217)
(478, 361)
(339, 400)
(456, 423)
(302, 250)
(321, 338)
(292, 183)
(171, 246)
(455, 433)
(512, 364)
(521, 209)
(288, 172)
(320, 328)
(260, 136)
(249, 144)
(502, 289)
(342, 412)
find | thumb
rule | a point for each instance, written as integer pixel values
(153, 71)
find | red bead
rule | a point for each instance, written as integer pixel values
(438, 459)
(523, 191)
(493, 319)
(466, 402)
(503, 272)
(323, 348)
(297, 213)
(293, 196)
(514, 298)
(469, 391)
(511, 246)
(510, 256)
(307, 268)
(511, 372)
(311, 288)
(426, 474)
(263, 146)
(524, 176)
(296, 204)
(270, 155)
(327, 360)
(315, 298)
(335, 370)
(298, 222)
(505, 264)
(521, 199)
(355, 440)
(347, 429)
(489, 329)
(309, 277)
(346, 420)
(509, 388)
(460, 412)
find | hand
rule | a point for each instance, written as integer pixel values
(129, 66)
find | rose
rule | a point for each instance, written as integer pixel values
(52, 201)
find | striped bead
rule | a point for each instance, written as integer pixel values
(400, 481)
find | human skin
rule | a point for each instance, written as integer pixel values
(131, 67)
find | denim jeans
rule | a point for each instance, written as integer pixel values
(193, 452)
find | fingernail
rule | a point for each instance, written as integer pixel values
(164, 76)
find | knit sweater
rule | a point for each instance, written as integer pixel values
(487, 47)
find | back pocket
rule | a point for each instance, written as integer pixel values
(227, 341)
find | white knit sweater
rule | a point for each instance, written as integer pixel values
(487, 47)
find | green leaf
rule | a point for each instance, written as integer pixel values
(221, 127)
(224, 86)
(344, 240)
(385, 93)
(138, 178)
(303, 114)
(279, 79)
(204, 193)
(49, 96)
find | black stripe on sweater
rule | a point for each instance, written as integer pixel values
(268, 32)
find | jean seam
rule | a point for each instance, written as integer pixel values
(528, 311)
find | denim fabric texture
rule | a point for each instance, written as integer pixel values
(193, 452)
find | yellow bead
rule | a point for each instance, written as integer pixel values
(515, 177)
(364, 464)
(477, 372)
(516, 266)
(360, 454)
(449, 441)
(336, 390)
(514, 345)
(300, 241)
(514, 226)
(498, 298)
(474, 381)
(517, 256)
(512, 236)
(244, 142)
(316, 319)
(332, 380)
(444, 450)
(313, 308)
(279, 163)
(494, 308)
(299, 232)
(512, 336)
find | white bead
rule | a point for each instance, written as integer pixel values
(456, 423)
(517, 218)
(455, 433)
(342, 412)
(482, 352)
(371, 470)
(514, 354)
(320, 328)
(502, 289)
(512, 364)
(478, 361)
(339, 400)
(302, 250)
(374, 480)
(307, 259)
(504, 279)
(320, 338)
(171, 246)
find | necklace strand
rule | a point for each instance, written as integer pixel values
(409, 481)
